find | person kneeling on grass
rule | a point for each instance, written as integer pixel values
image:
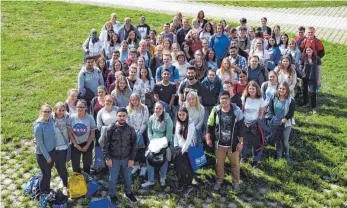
(227, 124)
(120, 147)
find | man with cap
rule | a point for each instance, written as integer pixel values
(92, 46)
(226, 124)
(120, 147)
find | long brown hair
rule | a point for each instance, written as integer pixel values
(126, 89)
(252, 84)
(290, 68)
(222, 70)
(286, 85)
(184, 124)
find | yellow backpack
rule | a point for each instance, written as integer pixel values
(77, 185)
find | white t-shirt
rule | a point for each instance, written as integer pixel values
(182, 69)
(252, 108)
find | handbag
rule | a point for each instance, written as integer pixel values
(197, 157)
(68, 152)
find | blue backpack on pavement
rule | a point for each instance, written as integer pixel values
(34, 182)
(104, 203)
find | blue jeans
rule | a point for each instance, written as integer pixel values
(114, 172)
(163, 170)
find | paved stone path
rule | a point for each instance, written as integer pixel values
(330, 22)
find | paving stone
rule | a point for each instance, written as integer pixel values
(208, 201)
(11, 187)
(7, 181)
(232, 205)
(272, 204)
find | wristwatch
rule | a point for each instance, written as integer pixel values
(241, 143)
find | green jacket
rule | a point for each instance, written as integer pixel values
(157, 129)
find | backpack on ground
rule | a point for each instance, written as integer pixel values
(77, 185)
(32, 185)
(105, 202)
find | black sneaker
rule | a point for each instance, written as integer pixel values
(130, 197)
(255, 164)
(187, 190)
(114, 199)
(179, 188)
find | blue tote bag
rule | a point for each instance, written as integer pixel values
(196, 154)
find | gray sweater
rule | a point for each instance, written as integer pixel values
(91, 80)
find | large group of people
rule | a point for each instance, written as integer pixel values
(229, 88)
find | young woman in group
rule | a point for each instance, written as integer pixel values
(45, 146)
(286, 73)
(238, 87)
(201, 19)
(269, 88)
(311, 73)
(116, 66)
(156, 60)
(167, 46)
(159, 125)
(132, 40)
(283, 45)
(81, 128)
(211, 59)
(201, 69)
(294, 51)
(101, 64)
(281, 113)
(224, 72)
(71, 100)
(60, 119)
(274, 54)
(260, 51)
(124, 51)
(184, 138)
(112, 45)
(175, 50)
(253, 108)
(276, 33)
(187, 51)
(206, 32)
(106, 115)
(137, 117)
(196, 110)
(192, 39)
(121, 93)
(181, 65)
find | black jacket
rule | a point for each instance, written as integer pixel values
(119, 142)
(181, 35)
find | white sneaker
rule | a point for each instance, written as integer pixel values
(147, 184)
(135, 168)
(143, 171)
(162, 181)
(66, 191)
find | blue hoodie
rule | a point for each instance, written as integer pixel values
(210, 91)
(45, 137)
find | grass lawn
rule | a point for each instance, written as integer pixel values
(41, 57)
(277, 4)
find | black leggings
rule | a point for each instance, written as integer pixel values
(60, 165)
(312, 84)
(86, 159)
(46, 170)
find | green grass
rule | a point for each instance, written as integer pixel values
(276, 4)
(41, 57)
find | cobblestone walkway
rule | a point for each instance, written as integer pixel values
(330, 22)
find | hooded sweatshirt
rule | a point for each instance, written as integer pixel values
(45, 137)
(90, 79)
(210, 91)
(159, 129)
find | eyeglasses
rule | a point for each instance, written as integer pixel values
(80, 107)
(224, 98)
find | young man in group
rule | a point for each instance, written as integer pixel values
(167, 34)
(143, 28)
(89, 79)
(314, 42)
(120, 147)
(174, 73)
(189, 84)
(220, 43)
(165, 91)
(182, 32)
(301, 35)
(227, 85)
(226, 124)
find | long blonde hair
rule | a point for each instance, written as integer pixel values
(126, 89)
(194, 95)
(130, 107)
(222, 70)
